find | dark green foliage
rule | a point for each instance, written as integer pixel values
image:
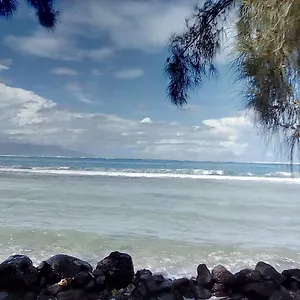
(44, 9)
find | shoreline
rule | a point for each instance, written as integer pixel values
(64, 277)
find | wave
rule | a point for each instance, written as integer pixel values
(147, 175)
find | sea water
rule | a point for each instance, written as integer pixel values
(169, 215)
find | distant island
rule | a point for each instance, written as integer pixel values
(26, 149)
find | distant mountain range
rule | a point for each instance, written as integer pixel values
(12, 148)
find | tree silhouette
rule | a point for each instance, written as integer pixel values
(44, 9)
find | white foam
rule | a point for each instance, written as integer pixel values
(149, 175)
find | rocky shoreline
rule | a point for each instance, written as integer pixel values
(64, 277)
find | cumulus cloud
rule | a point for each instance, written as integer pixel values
(55, 45)
(125, 24)
(3, 68)
(129, 74)
(27, 117)
(64, 71)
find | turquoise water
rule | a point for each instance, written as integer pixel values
(168, 215)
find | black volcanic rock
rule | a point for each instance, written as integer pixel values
(117, 269)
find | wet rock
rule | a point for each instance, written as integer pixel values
(284, 294)
(65, 266)
(29, 296)
(204, 276)
(54, 289)
(217, 287)
(221, 275)
(118, 270)
(17, 272)
(158, 278)
(180, 285)
(74, 295)
(81, 279)
(100, 283)
(202, 293)
(260, 289)
(292, 274)
(3, 296)
(270, 273)
(169, 296)
(247, 276)
(183, 287)
(90, 287)
(140, 292)
(46, 276)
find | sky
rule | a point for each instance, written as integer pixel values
(96, 85)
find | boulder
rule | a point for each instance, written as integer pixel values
(117, 269)
(65, 266)
(74, 295)
(246, 276)
(263, 289)
(221, 275)
(217, 287)
(204, 276)
(284, 294)
(180, 286)
(270, 273)
(292, 274)
(17, 272)
(202, 293)
(81, 279)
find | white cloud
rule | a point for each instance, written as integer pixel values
(56, 45)
(129, 73)
(3, 68)
(27, 117)
(146, 120)
(124, 24)
(64, 71)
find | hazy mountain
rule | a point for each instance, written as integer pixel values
(12, 148)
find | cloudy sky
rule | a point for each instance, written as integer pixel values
(96, 85)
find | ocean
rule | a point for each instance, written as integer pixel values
(169, 215)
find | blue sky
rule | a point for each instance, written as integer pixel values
(96, 84)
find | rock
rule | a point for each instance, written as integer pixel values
(17, 272)
(221, 275)
(217, 287)
(81, 279)
(183, 287)
(118, 270)
(74, 295)
(140, 292)
(247, 276)
(204, 276)
(202, 293)
(3, 296)
(46, 275)
(169, 296)
(65, 266)
(260, 289)
(269, 273)
(283, 294)
(100, 283)
(29, 296)
(54, 289)
(90, 287)
(141, 273)
(158, 278)
(292, 274)
(180, 285)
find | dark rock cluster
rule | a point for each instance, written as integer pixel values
(64, 277)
